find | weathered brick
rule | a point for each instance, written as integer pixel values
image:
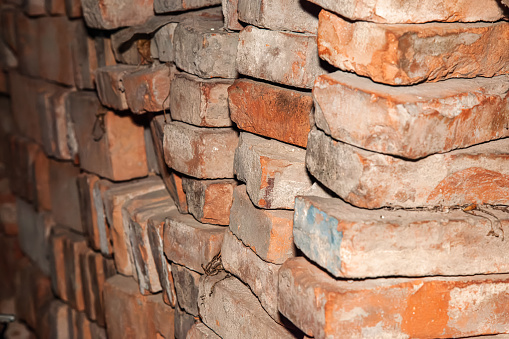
(129, 52)
(274, 172)
(187, 287)
(110, 86)
(163, 42)
(21, 172)
(18, 330)
(41, 173)
(110, 145)
(110, 14)
(7, 57)
(132, 315)
(34, 7)
(244, 318)
(27, 44)
(73, 9)
(436, 307)
(260, 276)
(10, 263)
(415, 121)
(152, 161)
(205, 153)
(8, 214)
(203, 48)
(8, 22)
(231, 15)
(87, 329)
(148, 89)
(59, 314)
(209, 201)
(57, 263)
(411, 12)
(190, 243)
(165, 6)
(280, 15)
(400, 54)
(267, 232)
(200, 102)
(183, 323)
(201, 331)
(474, 175)
(74, 247)
(271, 111)
(282, 57)
(55, 7)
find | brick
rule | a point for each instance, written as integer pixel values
(165, 6)
(231, 15)
(400, 54)
(114, 199)
(59, 324)
(190, 243)
(200, 102)
(110, 14)
(27, 44)
(64, 194)
(128, 52)
(372, 180)
(109, 81)
(55, 7)
(201, 331)
(152, 161)
(244, 318)
(18, 330)
(209, 201)
(87, 329)
(57, 263)
(204, 153)
(280, 15)
(8, 16)
(172, 180)
(148, 89)
(187, 287)
(8, 214)
(7, 57)
(112, 146)
(271, 111)
(7, 128)
(202, 48)
(21, 174)
(132, 315)
(35, 7)
(260, 276)
(283, 57)
(10, 263)
(74, 247)
(426, 11)
(438, 307)
(183, 323)
(4, 82)
(41, 174)
(411, 122)
(163, 41)
(274, 172)
(73, 9)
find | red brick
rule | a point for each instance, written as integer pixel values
(57, 263)
(10, 264)
(110, 14)
(18, 330)
(165, 6)
(73, 9)
(110, 86)
(209, 201)
(116, 152)
(55, 7)
(400, 54)
(74, 247)
(42, 181)
(8, 219)
(21, 174)
(35, 7)
(436, 307)
(8, 21)
(87, 329)
(271, 111)
(162, 43)
(60, 320)
(190, 243)
(230, 14)
(187, 288)
(129, 53)
(27, 41)
(8, 58)
(201, 331)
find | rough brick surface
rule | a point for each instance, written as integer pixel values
(271, 111)
(164, 6)
(231, 15)
(110, 14)
(384, 11)
(274, 172)
(200, 102)
(41, 168)
(209, 201)
(191, 243)
(110, 87)
(57, 264)
(187, 287)
(55, 7)
(427, 307)
(282, 57)
(205, 153)
(203, 48)
(183, 323)
(163, 42)
(73, 9)
(415, 121)
(400, 54)
(35, 7)
(74, 247)
(201, 331)
(473, 175)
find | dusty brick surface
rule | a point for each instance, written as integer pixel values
(204, 153)
(163, 42)
(231, 15)
(282, 57)
(209, 201)
(383, 11)
(203, 48)
(411, 122)
(201, 331)
(280, 15)
(267, 232)
(110, 87)
(274, 172)
(190, 243)
(473, 175)
(200, 102)
(187, 287)
(440, 307)
(110, 14)
(165, 6)
(183, 323)
(271, 111)
(400, 54)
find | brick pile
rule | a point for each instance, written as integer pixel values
(254, 169)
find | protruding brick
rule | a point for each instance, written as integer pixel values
(271, 111)
(209, 201)
(110, 14)
(201, 331)
(110, 86)
(18, 330)
(73, 9)
(57, 263)
(190, 243)
(231, 15)
(274, 172)
(244, 318)
(437, 307)
(165, 6)
(55, 7)
(74, 247)
(267, 232)
(205, 153)
(203, 48)
(110, 145)
(200, 102)
(41, 168)
(34, 7)
(400, 54)
(282, 57)
(163, 41)
(183, 323)
(383, 11)
(10, 263)
(411, 122)
(474, 175)
(26, 43)
(187, 288)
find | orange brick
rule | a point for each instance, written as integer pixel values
(42, 181)
(201, 331)
(110, 88)
(74, 247)
(27, 45)
(110, 14)
(187, 288)
(35, 7)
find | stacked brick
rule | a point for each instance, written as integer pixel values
(254, 169)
